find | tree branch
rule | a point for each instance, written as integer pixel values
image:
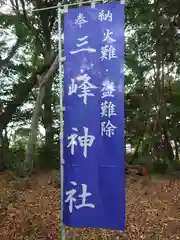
(5, 61)
(22, 93)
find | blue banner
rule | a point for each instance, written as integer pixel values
(94, 172)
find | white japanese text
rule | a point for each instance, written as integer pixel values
(71, 197)
(83, 41)
(108, 89)
(108, 37)
(85, 87)
(80, 20)
(84, 141)
(107, 129)
(105, 16)
(108, 52)
(108, 109)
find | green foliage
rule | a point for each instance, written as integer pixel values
(152, 81)
(15, 159)
(47, 158)
(160, 166)
(139, 160)
(16, 156)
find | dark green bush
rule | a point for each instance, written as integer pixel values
(15, 159)
(48, 158)
(160, 166)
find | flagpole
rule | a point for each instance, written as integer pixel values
(63, 228)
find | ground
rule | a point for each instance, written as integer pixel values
(30, 210)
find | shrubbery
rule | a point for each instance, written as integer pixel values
(46, 159)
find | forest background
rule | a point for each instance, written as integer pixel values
(29, 85)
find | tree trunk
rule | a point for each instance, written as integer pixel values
(31, 146)
(1, 151)
(167, 144)
(4, 148)
(22, 93)
(48, 121)
(176, 148)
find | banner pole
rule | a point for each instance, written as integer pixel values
(63, 228)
